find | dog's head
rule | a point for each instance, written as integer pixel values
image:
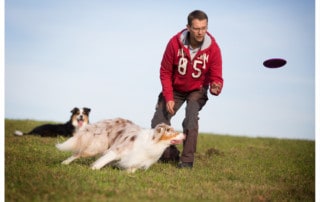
(80, 117)
(166, 133)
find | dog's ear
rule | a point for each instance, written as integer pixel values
(159, 130)
(74, 110)
(86, 110)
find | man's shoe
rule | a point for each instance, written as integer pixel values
(185, 165)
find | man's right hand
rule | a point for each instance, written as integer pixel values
(170, 106)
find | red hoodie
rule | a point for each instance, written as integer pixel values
(181, 73)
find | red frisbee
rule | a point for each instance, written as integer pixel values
(274, 63)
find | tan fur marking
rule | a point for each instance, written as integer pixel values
(168, 136)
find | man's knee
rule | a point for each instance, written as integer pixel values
(160, 116)
(156, 120)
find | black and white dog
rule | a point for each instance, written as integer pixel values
(79, 118)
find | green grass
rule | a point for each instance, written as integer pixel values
(227, 168)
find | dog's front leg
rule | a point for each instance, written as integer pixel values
(104, 160)
(70, 159)
(131, 170)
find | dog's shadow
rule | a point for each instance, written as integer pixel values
(83, 162)
(86, 162)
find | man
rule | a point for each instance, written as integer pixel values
(191, 65)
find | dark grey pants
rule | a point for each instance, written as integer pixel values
(195, 100)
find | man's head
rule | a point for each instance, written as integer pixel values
(197, 25)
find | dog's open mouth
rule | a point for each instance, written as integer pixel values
(80, 122)
(178, 141)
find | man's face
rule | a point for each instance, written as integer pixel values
(198, 29)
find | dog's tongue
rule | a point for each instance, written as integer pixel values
(80, 122)
(176, 141)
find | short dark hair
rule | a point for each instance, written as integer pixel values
(196, 14)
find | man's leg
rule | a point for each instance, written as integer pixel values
(162, 116)
(190, 128)
(195, 101)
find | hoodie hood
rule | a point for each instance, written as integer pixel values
(206, 42)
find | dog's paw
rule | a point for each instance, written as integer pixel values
(65, 162)
(95, 168)
(18, 133)
(131, 170)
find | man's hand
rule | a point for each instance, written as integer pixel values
(215, 88)
(170, 106)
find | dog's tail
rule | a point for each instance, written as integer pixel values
(19, 133)
(68, 145)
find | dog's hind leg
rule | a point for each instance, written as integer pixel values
(104, 160)
(70, 159)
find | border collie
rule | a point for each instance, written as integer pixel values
(79, 118)
(121, 143)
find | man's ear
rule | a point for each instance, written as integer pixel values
(188, 27)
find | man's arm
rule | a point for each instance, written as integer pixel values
(166, 71)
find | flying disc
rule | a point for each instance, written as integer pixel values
(274, 63)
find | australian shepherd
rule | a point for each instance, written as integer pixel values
(79, 118)
(121, 143)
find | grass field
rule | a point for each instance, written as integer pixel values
(227, 168)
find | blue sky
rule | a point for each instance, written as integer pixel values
(106, 55)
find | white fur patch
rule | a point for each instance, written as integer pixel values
(18, 133)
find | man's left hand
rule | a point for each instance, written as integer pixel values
(215, 88)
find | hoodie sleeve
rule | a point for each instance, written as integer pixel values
(215, 72)
(166, 71)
